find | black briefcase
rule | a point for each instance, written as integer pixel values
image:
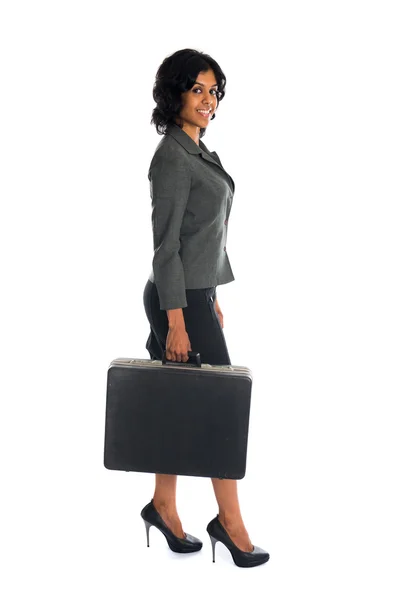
(177, 418)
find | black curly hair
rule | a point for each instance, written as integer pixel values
(177, 74)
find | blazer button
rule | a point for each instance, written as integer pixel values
(226, 221)
(224, 248)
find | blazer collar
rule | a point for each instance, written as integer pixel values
(190, 146)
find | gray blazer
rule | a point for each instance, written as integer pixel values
(191, 201)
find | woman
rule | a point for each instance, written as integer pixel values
(191, 201)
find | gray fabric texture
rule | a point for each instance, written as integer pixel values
(191, 197)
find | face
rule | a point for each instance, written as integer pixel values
(202, 97)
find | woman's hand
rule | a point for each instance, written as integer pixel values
(219, 313)
(177, 344)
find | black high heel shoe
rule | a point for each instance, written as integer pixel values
(151, 517)
(218, 533)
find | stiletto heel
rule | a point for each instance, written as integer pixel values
(218, 533)
(148, 525)
(213, 542)
(151, 517)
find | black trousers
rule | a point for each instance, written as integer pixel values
(201, 321)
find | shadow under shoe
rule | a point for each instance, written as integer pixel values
(218, 533)
(187, 544)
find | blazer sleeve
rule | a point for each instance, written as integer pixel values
(170, 181)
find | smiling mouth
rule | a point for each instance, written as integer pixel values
(204, 113)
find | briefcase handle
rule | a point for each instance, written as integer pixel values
(196, 362)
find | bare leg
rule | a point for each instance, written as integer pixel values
(164, 501)
(229, 513)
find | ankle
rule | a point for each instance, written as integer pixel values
(231, 521)
(165, 506)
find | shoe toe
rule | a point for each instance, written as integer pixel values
(260, 554)
(193, 540)
(258, 550)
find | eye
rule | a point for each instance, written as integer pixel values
(199, 89)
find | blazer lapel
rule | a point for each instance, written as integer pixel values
(214, 158)
(190, 145)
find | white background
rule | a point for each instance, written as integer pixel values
(309, 130)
